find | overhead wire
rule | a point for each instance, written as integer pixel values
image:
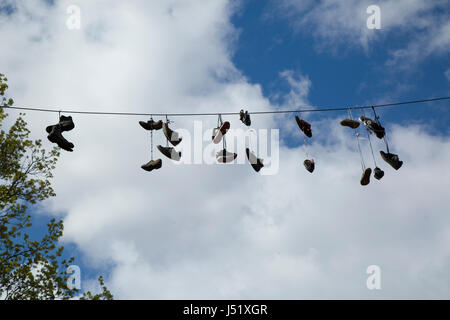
(325, 109)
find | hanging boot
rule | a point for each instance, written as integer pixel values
(221, 132)
(365, 178)
(55, 136)
(151, 125)
(392, 159)
(152, 165)
(173, 136)
(224, 156)
(65, 123)
(170, 153)
(245, 118)
(350, 123)
(378, 173)
(304, 126)
(255, 162)
(374, 126)
(309, 165)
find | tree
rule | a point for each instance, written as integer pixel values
(29, 268)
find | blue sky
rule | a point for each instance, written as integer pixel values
(159, 55)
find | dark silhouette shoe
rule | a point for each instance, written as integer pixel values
(255, 162)
(392, 159)
(151, 125)
(304, 126)
(374, 126)
(309, 165)
(365, 178)
(378, 173)
(224, 156)
(350, 123)
(170, 153)
(65, 123)
(173, 136)
(220, 132)
(55, 136)
(152, 165)
(245, 118)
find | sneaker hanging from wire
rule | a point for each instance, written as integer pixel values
(365, 178)
(224, 156)
(309, 165)
(172, 136)
(350, 123)
(55, 136)
(392, 160)
(378, 173)
(151, 125)
(304, 126)
(220, 132)
(152, 165)
(245, 118)
(256, 163)
(374, 126)
(170, 152)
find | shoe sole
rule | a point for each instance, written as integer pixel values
(350, 123)
(365, 179)
(221, 132)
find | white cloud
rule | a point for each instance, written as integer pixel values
(341, 25)
(216, 231)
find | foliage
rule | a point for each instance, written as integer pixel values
(29, 269)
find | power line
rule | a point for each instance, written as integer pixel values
(224, 113)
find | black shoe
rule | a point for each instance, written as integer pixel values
(309, 165)
(245, 118)
(55, 136)
(365, 178)
(66, 123)
(392, 159)
(304, 126)
(378, 173)
(151, 125)
(256, 163)
(152, 165)
(374, 126)
(170, 153)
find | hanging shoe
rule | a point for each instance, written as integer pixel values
(173, 136)
(152, 165)
(151, 125)
(66, 123)
(309, 165)
(365, 178)
(55, 136)
(170, 153)
(378, 173)
(255, 162)
(350, 123)
(374, 126)
(224, 156)
(221, 132)
(245, 118)
(392, 159)
(304, 126)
